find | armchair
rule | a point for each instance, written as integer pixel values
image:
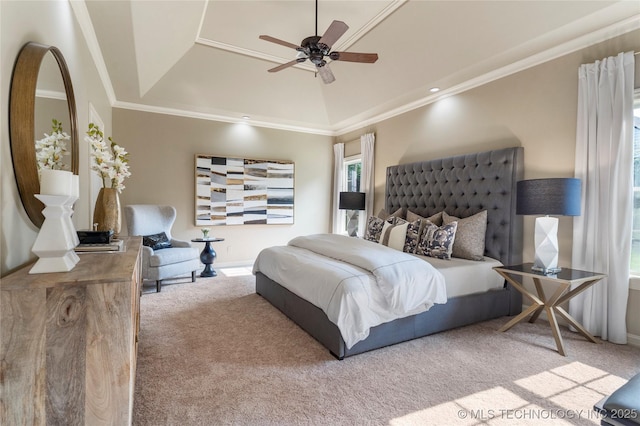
(157, 265)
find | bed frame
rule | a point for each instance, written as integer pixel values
(461, 186)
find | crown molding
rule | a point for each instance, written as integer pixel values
(222, 118)
(251, 53)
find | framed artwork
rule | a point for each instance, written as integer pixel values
(240, 191)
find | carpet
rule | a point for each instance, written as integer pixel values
(215, 353)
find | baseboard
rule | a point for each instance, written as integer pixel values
(236, 264)
(632, 339)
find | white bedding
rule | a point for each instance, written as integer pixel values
(360, 285)
(467, 276)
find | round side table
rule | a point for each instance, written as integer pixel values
(208, 255)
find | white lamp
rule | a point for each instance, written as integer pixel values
(554, 196)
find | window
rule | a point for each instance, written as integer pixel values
(352, 169)
(351, 183)
(635, 236)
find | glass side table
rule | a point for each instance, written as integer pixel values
(208, 255)
(562, 281)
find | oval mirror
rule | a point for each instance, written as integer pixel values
(35, 73)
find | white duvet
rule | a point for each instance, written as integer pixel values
(357, 283)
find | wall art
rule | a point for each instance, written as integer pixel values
(240, 191)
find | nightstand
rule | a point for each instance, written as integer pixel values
(562, 281)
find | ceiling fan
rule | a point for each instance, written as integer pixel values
(316, 49)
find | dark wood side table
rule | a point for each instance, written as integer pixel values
(208, 255)
(564, 280)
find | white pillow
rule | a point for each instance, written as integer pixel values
(397, 236)
(384, 233)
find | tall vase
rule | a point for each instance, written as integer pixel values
(107, 211)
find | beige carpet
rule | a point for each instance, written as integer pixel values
(213, 352)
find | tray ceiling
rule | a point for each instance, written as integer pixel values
(204, 58)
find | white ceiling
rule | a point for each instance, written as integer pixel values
(204, 58)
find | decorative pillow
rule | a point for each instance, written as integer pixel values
(412, 236)
(397, 234)
(156, 241)
(386, 230)
(378, 229)
(437, 241)
(469, 235)
(382, 214)
(436, 219)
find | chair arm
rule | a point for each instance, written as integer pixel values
(179, 243)
(147, 252)
(624, 404)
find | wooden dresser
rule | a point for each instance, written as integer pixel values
(68, 341)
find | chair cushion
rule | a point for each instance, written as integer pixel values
(173, 255)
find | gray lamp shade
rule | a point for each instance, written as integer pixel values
(351, 201)
(554, 196)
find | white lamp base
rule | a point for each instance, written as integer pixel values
(57, 237)
(352, 224)
(546, 243)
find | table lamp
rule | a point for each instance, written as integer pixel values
(553, 196)
(352, 201)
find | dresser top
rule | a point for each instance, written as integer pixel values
(93, 268)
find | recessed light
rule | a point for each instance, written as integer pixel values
(246, 117)
(434, 89)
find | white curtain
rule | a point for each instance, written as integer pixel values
(604, 163)
(338, 166)
(367, 142)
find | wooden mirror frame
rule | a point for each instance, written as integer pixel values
(22, 100)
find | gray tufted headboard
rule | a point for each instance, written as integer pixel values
(462, 186)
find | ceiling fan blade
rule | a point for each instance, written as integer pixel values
(278, 41)
(326, 74)
(333, 33)
(286, 65)
(368, 58)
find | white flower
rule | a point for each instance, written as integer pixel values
(50, 150)
(109, 161)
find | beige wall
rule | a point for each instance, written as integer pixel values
(535, 109)
(162, 158)
(51, 23)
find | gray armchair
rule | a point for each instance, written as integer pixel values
(177, 260)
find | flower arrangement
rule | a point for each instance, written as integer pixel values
(205, 232)
(51, 149)
(110, 161)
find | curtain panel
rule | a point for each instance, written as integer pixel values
(604, 163)
(338, 167)
(367, 144)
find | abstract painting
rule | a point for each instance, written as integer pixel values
(238, 191)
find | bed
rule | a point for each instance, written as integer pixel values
(461, 186)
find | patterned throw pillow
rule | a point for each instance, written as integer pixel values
(156, 241)
(413, 236)
(470, 235)
(374, 229)
(378, 229)
(437, 241)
